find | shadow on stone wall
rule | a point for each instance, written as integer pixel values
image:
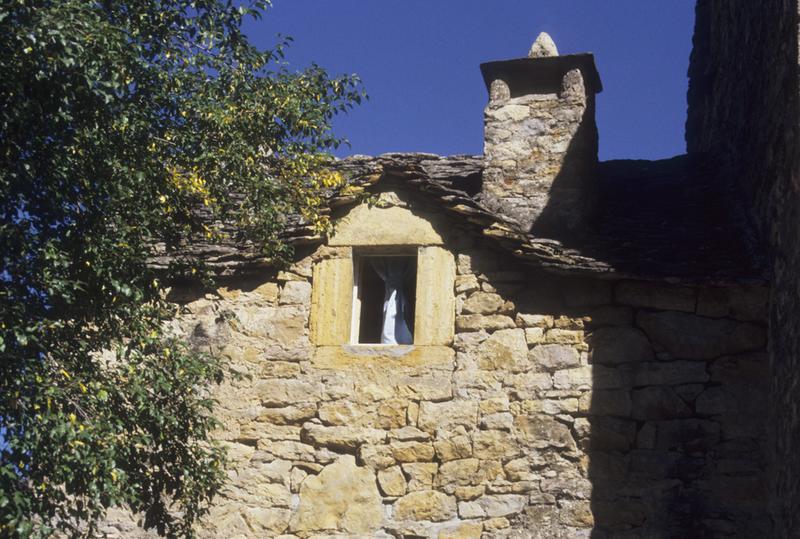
(674, 434)
(666, 411)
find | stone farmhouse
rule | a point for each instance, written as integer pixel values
(532, 343)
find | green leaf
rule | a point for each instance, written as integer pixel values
(119, 121)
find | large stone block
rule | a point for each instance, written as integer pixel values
(748, 370)
(534, 321)
(608, 315)
(455, 447)
(391, 414)
(609, 434)
(553, 357)
(689, 435)
(625, 512)
(716, 401)
(420, 475)
(742, 303)
(501, 505)
(266, 520)
(576, 513)
(412, 451)
(284, 326)
(465, 530)
(372, 225)
(466, 284)
(378, 457)
(587, 293)
(656, 296)
(427, 505)
(505, 350)
(409, 434)
(445, 415)
(688, 336)
(332, 301)
(461, 472)
(478, 322)
(500, 421)
(392, 481)
(494, 445)
(482, 303)
(288, 450)
(589, 377)
(362, 361)
(529, 385)
(571, 485)
(612, 402)
(652, 403)
(322, 506)
(563, 336)
(289, 414)
(434, 318)
(666, 373)
(268, 292)
(296, 293)
(614, 345)
(343, 437)
(435, 387)
(540, 431)
(341, 413)
(282, 392)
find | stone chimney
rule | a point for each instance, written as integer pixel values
(540, 146)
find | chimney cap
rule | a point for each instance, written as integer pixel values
(543, 47)
(531, 69)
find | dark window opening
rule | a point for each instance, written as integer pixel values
(374, 294)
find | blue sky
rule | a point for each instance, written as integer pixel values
(419, 63)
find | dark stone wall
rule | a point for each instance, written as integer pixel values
(743, 115)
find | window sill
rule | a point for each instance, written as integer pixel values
(382, 355)
(365, 349)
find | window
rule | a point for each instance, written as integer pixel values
(347, 289)
(384, 298)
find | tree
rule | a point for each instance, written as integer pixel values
(118, 121)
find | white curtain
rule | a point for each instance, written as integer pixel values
(393, 271)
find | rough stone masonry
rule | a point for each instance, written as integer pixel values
(564, 407)
(564, 396)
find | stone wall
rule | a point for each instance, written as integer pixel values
(564, 408)
(743, 113)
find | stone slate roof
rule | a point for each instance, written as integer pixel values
(552, 67)
(673, 218)
(670, 220)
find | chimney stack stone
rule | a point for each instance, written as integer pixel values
(540, 146)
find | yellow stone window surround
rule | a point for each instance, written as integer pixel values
(385, 228)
